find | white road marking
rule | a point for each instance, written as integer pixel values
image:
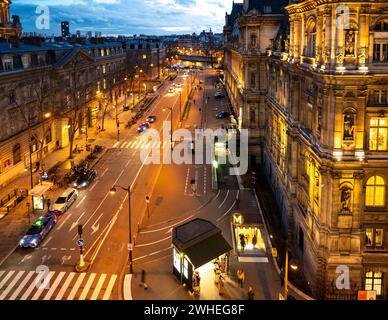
(168, 227)
(151, 243)
(123, 145)
(87, 287)
(4, 281)
(74, 224)
(128, 162)
(95, 224)
(230, 209)
(253, 259)
(11, 285)
(152, 254)
(226, 197)
(22, 285)
(116, 144)
(39, 292)
(94, 185)
(76, 286)
(65, 285)
(80, 202)
(109, 288)
(103, 174)
(1, 273)
(47, 241)
(60, 225)
(54, 286)
(98, 287)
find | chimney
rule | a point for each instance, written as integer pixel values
(34, 40)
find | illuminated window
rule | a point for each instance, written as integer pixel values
(375, 192)
(380, 52)
(185, 268)
(374, 282)
(369, 237)
(311, 40)
(374, 237)
(378, 134)
(177, 260)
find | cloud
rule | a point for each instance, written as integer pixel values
(127, 16)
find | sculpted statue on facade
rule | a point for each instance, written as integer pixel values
(362, 54)
(340, 55)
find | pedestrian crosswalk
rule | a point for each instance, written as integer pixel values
(140, 144)
(55, 285)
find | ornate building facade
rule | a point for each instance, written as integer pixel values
(247, 36)
(8, 28)
(324, 140)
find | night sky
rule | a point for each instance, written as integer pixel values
(125, 17)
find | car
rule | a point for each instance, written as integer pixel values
(151, 119)
(64, 201)
(85, 179)
(222, 115)
(218, 95)
(171, 90)
(143, 127)
(38, 231)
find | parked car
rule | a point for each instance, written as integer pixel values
(85, 179)
(171, 90)
(64, 201)
(218, 95)
(38, 231)
(222, 115)
(143, 127)
(151, 119)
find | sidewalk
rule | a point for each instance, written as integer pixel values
(14, 225)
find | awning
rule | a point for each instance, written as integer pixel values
(40, 189)
(207, 250)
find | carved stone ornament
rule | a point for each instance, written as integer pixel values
(362, 54)
(326, 54)
(339, 55)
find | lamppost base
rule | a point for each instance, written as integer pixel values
(82, 268)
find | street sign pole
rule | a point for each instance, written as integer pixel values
(147, 199)
(82, 265)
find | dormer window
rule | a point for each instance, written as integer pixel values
(8, 64)
(267, 9)
(26, 61)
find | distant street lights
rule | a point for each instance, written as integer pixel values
(130, 244)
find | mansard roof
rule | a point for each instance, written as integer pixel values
(276, 5)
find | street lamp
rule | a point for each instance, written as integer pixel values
(113, 191)
(164, 110)
(293, 265)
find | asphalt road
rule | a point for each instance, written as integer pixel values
(105, 223)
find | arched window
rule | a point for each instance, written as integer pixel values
(375, 192)
(311, 40)
(16, 154)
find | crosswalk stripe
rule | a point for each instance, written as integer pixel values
(4, 281)
(22, 285)
(65, 285)
(54, 286)
(29, 290)
(109, 288)
(98, 287)
(87, 287)
(39, 292)
(116, 144)
(11, 285)
(76, 286)
(1, 273)
(130, 144)
(124, 145)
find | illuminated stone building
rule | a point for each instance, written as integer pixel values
(324, 142)
(248, 32)
(8, 28)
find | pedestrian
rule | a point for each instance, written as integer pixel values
(254, 240)
(48, 205)
(143, 280)
(242, 242)
(240, 277)
(194, 101)
(251, 293)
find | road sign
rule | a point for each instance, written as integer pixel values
(80, 242)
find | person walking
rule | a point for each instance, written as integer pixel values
(251, 293)
(254, 241)
(143, 280)
(240, 277)
(242, 242)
